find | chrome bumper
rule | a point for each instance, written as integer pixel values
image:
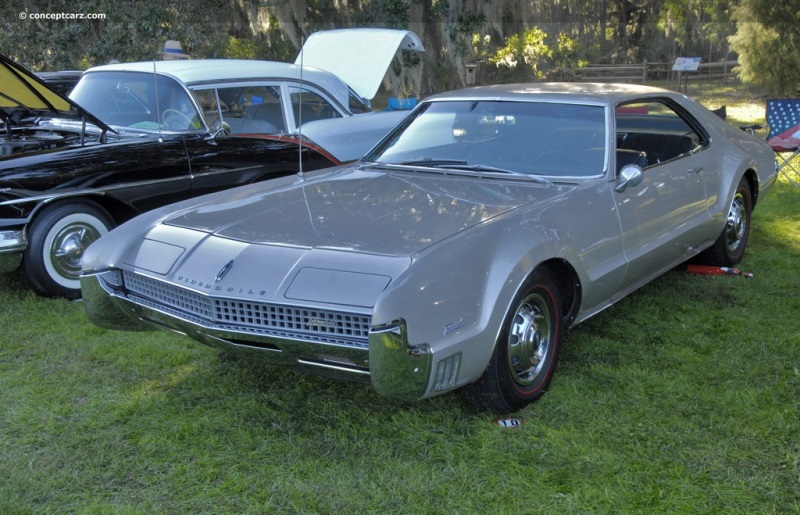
(398, 370)
(395, 369)
(12, 243)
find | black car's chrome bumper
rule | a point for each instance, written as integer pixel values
(12, 243)
(385, 359)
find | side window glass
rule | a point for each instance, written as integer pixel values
(652, 132)
(309, 106)
(244, 109)
(357, 104)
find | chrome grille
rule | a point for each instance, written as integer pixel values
(270, 319)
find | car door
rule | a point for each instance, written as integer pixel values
(662, 219)
(145, 174)
(227, 161)
(144, 164)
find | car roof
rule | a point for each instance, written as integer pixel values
(196, 72)
(558, 92)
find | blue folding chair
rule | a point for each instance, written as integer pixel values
(783, 118)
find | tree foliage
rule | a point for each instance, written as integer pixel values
(529, 48)
(539, 35)
(768, 44)
(132, 30)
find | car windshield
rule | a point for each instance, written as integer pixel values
(137, 101)
(532, 138)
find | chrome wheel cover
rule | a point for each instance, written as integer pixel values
(736, 224)
(529, 340)
(68, 246)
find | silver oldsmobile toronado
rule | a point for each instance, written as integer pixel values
(457, 251)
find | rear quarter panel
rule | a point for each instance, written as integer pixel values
(735, 152)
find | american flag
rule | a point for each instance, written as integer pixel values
(783, 117)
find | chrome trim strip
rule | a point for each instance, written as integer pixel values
(90, 191)
(127, 185)
(337, 368)
(226, 171)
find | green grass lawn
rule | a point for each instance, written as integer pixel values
(684, 397)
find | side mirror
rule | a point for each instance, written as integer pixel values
(222, 129)
(630, 175)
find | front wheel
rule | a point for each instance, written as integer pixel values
(729, 248)
(56, 242)
(524, 356)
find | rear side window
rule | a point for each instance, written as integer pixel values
(658, 130)
(309, 106)
(244, 109)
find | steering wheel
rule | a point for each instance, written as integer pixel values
(170, 114)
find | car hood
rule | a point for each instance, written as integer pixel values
(374, 49)
(24, 95)
(338, 240)
(360, 210)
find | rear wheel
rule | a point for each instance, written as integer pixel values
(57, 240)
(729, 248)
(524, 357)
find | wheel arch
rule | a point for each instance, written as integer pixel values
(752, 180)
(569, 288)
(117, 210)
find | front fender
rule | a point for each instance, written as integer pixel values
(453, 300)
(455, 295)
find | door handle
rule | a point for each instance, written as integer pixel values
(697, 170)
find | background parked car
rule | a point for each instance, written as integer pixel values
(61, 81)
(136, 136)
(457, 251)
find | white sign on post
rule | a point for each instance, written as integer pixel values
(686, 64)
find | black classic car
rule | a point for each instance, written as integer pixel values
(135, 136)
(62, 81)
(66, 177)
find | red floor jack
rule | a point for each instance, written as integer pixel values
(716, 270)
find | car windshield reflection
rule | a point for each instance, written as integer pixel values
(532, 138)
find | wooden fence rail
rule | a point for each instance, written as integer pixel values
(651, 71)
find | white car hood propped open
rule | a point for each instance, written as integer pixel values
(360, 57)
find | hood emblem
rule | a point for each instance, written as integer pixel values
(224, 270)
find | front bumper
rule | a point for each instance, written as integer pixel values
(386, 360)
(399, 371)
(12, 243)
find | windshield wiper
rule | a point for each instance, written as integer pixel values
(494, 169)
(479, 168)
(435, 163)
(461, 165)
